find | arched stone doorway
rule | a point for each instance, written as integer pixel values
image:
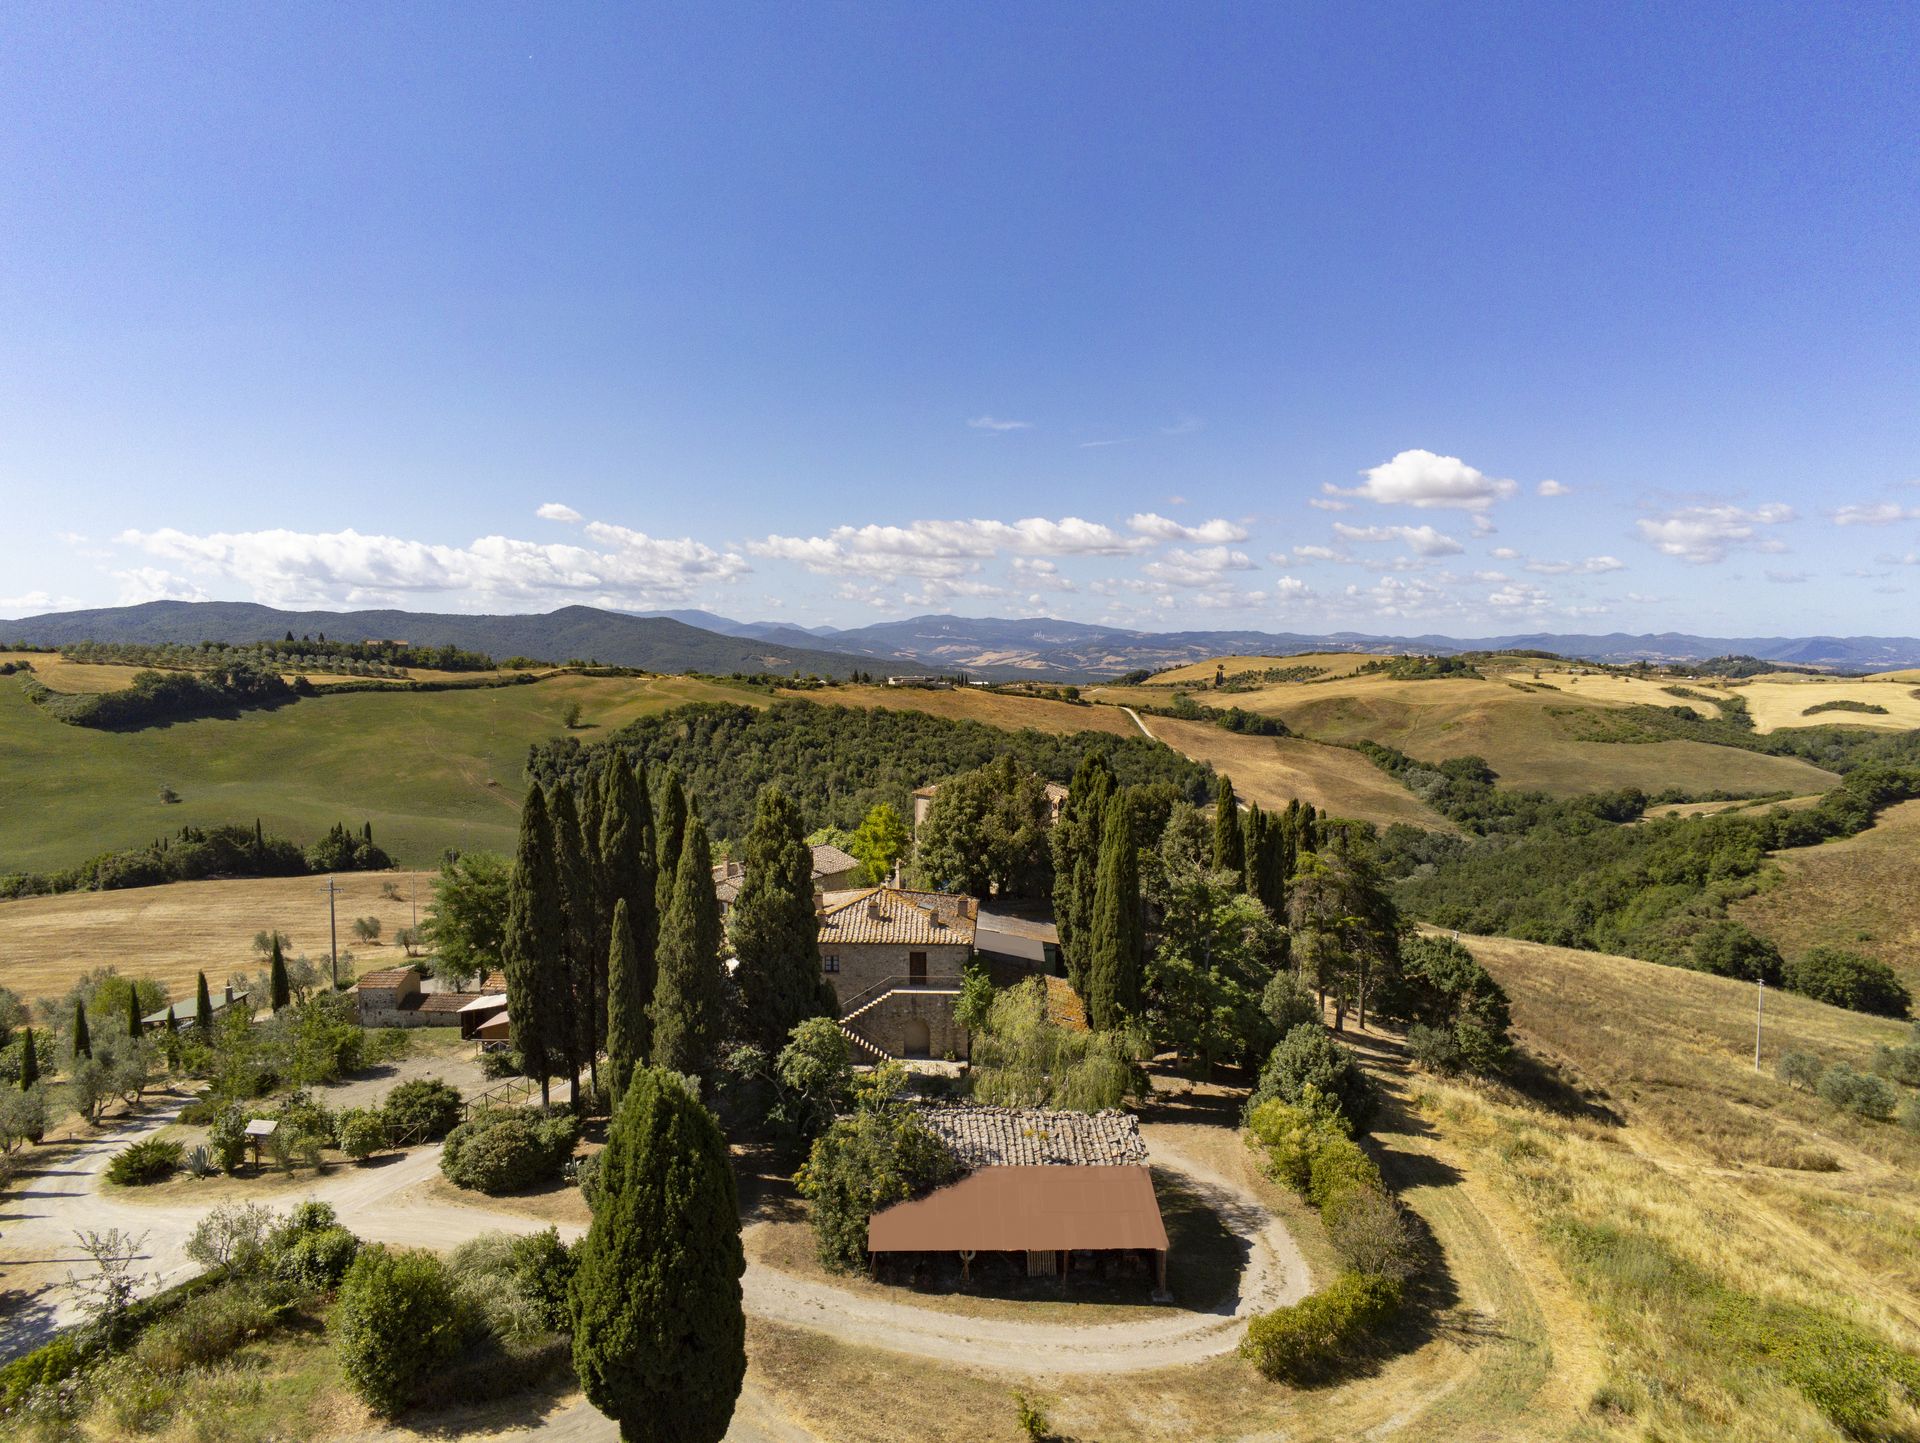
(916, 1038)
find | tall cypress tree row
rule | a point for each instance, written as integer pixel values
(772, 926)
(1076, 844)
(279, 992)
(533, 945)
(82, 1038)
(670, 832)
(1229, 847)
(202, 1008)
(628, 870)
(1117, 930)
(687, 995)
(659, 1335)
(581, 996)
(628, 995)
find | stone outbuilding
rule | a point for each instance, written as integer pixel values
(834, 870)
(398, 997)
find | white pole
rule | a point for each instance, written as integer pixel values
(333, 938)
(1759, 1017)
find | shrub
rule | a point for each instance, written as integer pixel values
(860, 1165)
(232, 1236)
(1287, 1002)
(1339, 1166)
(207, 1328)
(544, 1266)
(146, 1161)
(507, 1149)
(398, 1317)
(1434, 1048)
(1799, 1069)
(1308, 1056)
(1727, 949)
(1900, 1064)
(1305, 1342)
(586, 1173)
(1910, 1115)
(363, 1132)
(1291, 1135)
(425, 1109)
(1847, 979)
(1372, 1234)
(318, 1260)
(1858, 1092)
(43, 1367)
(1032, 1417)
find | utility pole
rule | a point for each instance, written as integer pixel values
(333, 938)
(1759, 1016)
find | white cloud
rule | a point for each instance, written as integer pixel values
(1421, 478)
(32, 603)
(1329, 503)
(1423, 539)
(1706, 533)
(1519, 596)
(942, 548)
(1553, 488)
(283, 567)
(1308, 553)
(1096, 445)
(151, 583)
(1217, 531)
(1879, 513)
(991, 423)
(1504, 553)
(555, 511)
(1482, 524)
(1037, 571)
(1592, 566)
(1203, 567)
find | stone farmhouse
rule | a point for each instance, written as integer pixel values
(896, 958)
(397, 997)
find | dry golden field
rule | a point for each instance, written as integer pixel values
(1201, 673)
(1776, 704)
(1595, 686)
(82, 677)
(1514, 727)
(961, 703)
(169, 933)
(1857, 892)
(1274, 770)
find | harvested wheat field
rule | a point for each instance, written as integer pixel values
(1776, 704)
(169, 933)
(1607, 686)
(961, 703)
(1274, 770)
(1856, 892)
(1202, 673)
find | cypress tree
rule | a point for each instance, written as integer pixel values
(627, 999)
(1113, 962)
(627, 874)
(279, 993)
(581, 998)
(773, 928)
(659, 1334)
(82, 1039)
(29, 1062)
(670, 833)
(532, 945)
(1076, 861)
(687, 995)
(1229, 849)
(202, 1008)
(134, 1028)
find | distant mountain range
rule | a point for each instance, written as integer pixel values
(988, 647)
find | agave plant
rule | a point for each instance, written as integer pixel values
(199, 1161)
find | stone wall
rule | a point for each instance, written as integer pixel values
(864, 965)
(896, 1023)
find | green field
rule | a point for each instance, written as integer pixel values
(430, 770)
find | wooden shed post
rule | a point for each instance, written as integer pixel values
(1160, 1292)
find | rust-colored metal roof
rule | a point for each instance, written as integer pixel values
(1026, 1209)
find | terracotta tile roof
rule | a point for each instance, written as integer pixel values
(450, 1003)
(390, 977)
(901, 917)
(1037, 1136)
(828, 859)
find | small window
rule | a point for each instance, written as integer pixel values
(830, 963)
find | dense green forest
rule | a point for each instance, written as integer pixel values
(194, 853)
(1572, 873)
(839, 762)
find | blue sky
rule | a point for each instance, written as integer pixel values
(1395, 318)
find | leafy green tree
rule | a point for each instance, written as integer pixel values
(688, 1000)
(1442, 987)
(773, 926)
(467, 918)
(1217, 950)
(1229, 846)
(1848, 979)
(583, 994)
(1022, 1057)
(1345, 927)
(864, 1163)
(202, 1008)
(1727, 949)
(670, 835)
(533, 947)
(815, 1075)
(1115, 936)
(627, 1000)
(659, 1335)
(278, 990)
(881, 840)
(1309, 1057)
(986, 832)
(82, 1038)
